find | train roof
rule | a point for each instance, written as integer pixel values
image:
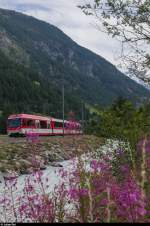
(36, 117)
(28, 116)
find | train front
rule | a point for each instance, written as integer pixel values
(14, 125)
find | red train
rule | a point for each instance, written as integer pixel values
(21, 124)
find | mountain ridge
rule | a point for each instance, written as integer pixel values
(44, 48)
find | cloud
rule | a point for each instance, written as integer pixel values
(69, 18)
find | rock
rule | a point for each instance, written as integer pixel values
(24, 162)
(59, 157)
(51, 159)
(17, 165)
(43, 168)
(10, 175)
(25, 171)
(55, 164)
(5, 161)
(66, 157)
(49, 156)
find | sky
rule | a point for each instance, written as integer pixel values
(71, 20)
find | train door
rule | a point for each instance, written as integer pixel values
(49, 127)
(52, 125)
(37, 123)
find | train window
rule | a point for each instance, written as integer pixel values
(24, 122)
(43, 124)
(58, 124)
(30, 122)
(14, 123)
(61, 124)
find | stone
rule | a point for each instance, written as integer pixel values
(55, 164)
(43, 168)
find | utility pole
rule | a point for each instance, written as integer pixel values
(82, 116)
(63, 105)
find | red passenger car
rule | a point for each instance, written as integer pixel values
(21, 124)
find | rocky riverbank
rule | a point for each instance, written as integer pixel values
(26, 155)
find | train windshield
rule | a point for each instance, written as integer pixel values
(14, 123)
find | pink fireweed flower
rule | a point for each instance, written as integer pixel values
(10, 180)
(29, 188)
(125, 169)
(5, 201)
(99, 166)
(37, 208)
(62, 173)
(94, 164)
(73, 193)
(38, 174)
(130, 206)
(82, 192)
(76, 193)
(32, 137)
(103, 202)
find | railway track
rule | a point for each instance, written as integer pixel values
(7, 139)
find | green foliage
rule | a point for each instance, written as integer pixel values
(121, 121)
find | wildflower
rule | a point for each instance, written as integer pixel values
(94, 164)
(32, 136)
(38, 174)
(10, 180)
(73, 193)
(82, 192)
(124, 169)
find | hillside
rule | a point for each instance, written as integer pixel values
(35, 57)
(22, 90)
